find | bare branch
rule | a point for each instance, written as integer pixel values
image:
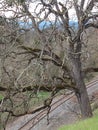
(31, 17)
(87, 19)
(77, 9)
(92, 69)
(53, 57)
(18, 115)
(82, 4)
(90, 6)
(91, 25)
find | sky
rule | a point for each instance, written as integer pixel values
(32, 8)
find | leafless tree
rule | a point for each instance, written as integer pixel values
(59, 32)
(86, 18)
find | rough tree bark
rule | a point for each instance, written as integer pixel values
(77, 75)
(81, 91)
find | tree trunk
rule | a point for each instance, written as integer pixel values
(83, 98)
(81, 93)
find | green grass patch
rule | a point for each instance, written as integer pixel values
(43, 94)
(39, 99)
(88, 124)
(1, 96)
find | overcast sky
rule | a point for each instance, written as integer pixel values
(33, 5)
